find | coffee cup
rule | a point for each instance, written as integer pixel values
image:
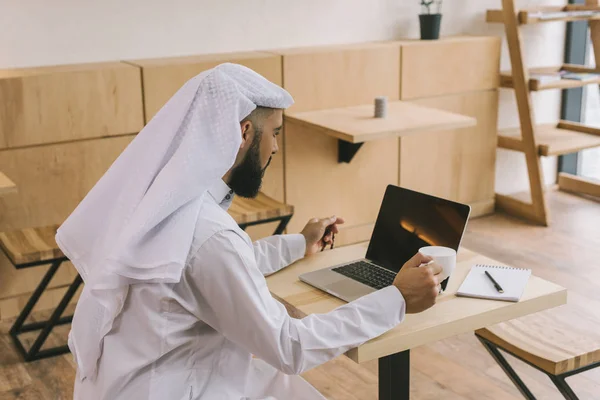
(445, 257)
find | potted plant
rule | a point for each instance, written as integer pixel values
(430, 19)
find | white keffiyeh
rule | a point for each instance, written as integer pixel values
(137, 223)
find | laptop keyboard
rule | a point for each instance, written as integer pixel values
(366, 273)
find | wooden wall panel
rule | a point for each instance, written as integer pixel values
(318, 186)
(164, 76)
(340, 76)
(460, 164)
(354, 234)
(53, 179)
(65, 103)
(449, 65)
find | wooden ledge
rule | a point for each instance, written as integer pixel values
(357, 124)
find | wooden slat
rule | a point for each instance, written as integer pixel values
(450, 316)
(518, 208)
(578, 184)
(472, 62)
(581, 68)
(556, 343)
(578, 127)
(6, 185)
(553, 140)
(482, 208)
(260, 208)
(66, 103)
(510, 143)
(357, 124)
(30, 245)
(592, 6)
(529, 17)
(535, 84)
(595, 32)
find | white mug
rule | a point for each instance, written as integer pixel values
(443, 256)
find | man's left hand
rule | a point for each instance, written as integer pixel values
(315, 233)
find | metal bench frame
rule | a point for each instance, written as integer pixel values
(558, 380)
(35, 352)
(283, 221)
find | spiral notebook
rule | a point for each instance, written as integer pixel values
(512, 281)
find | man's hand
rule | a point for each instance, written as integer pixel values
(314, 233)
(419, 286)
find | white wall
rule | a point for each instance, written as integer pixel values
(42, 32)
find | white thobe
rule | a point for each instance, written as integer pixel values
(218, 333)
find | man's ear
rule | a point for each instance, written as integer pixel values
(245, 128)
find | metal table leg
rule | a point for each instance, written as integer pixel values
(394, 376)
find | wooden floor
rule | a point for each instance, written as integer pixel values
(455, 369)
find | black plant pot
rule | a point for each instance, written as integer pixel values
(430, 26)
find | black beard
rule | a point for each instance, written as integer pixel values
(246, 178)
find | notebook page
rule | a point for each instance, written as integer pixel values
(512, 280)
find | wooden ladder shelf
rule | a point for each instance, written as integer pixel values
(534, 140)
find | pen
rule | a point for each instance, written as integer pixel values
(327, 232)
(498, 287)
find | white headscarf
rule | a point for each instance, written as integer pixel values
(137, 223)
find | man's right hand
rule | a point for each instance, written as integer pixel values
(419, 286)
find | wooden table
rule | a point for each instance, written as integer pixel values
(451, 315)
(6, 185)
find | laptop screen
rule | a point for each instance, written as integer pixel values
(410, 220)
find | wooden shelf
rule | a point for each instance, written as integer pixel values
(535, 84)
(579, 184)
(552, 140)
(549, 14)
(6, 185)
(357, 124)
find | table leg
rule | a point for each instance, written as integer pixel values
(394, 376)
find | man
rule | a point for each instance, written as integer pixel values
(175, 304)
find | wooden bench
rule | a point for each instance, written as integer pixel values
(32, 247)
(260, 210)
(560, 343)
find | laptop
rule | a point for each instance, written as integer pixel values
(407, 221)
